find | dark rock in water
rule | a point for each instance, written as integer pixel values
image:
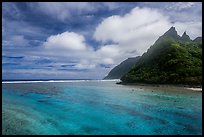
(179, 107)
(48, 96)
(119, 82)
(42, 100)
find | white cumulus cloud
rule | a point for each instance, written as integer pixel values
(136, 30)
(72, 47)
(66, 40)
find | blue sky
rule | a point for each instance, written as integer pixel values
(85, 40)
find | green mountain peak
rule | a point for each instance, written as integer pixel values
(170, 60)
(185, 37)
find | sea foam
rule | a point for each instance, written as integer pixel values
(49, 81)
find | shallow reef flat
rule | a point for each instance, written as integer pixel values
(90, 108)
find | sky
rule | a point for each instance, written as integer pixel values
(85, 40)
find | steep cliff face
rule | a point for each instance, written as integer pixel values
(120, 70)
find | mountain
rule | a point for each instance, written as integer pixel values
(185, 37)
(171, 33)
(118, 71)
(170, 60)
(198, 39)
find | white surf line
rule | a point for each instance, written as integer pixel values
(195, 89)
(49, 81)
(21, 81)
(110, 80)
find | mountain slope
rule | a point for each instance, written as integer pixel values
(198, 39)
(171, 60)
(118, 71)
(185, 37)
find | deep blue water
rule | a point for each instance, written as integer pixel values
(98, 107)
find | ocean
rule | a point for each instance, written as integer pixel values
(94, 107)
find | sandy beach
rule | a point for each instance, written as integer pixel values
(165, 87)
(195, 89)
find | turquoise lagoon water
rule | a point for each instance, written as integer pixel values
(98, 107)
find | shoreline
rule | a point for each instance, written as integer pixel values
(197, 88)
